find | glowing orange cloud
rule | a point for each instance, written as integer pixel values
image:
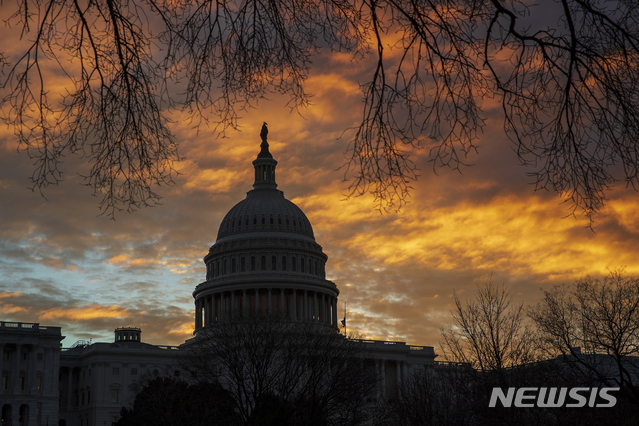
(85, 313)
(184, 329)
(509, 232)
(125, 259)
(6, 294)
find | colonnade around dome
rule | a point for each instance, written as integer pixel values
(293, 304)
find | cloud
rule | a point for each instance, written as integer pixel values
(63, 264)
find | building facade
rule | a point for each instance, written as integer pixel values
(97, 379)
(29, 365)
(265, 262)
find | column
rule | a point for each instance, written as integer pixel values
(205, 311)
(299, 300)
(269, 303)
(312, 311)
(323, 308)
(208, 315)
(31, 369)
(383, 378)
(233, 309)
(70, 390)
(334, 309)
(280, 304)
(306, 316)
(16, 370)
(293, 305)
(399, 376)
(258, 303)
(1, 361)
(224, 299)
(246, 308)
(56, 369)
(219, 308)
(378, 371)
(315, 307)
(198, 314)
(327, 304)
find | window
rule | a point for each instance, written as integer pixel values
(40, 356)
(24, 356)
(283, 263)
(134, 371)
(5, 380)
(115, 371)
(39, 380)
(273, 263)
(242, 264)
(23, 380)
(23, 414)
(115, 395)
(263, 263)
(233, 265)
(293, 264)
(252, 263)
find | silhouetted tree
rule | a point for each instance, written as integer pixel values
(168, 402)
(282, 372)
(565, 73)
(488, 333)
(593, 324)
(440, 394)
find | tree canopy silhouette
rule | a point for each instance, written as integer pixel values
(565, 73)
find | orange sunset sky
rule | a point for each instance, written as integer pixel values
(62, 264)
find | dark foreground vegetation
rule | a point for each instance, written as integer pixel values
(271, 372)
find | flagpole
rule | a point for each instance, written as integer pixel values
(344, 320)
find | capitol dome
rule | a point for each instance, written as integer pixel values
(265, 260)
(265, 211)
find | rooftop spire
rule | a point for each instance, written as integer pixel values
(264, 164)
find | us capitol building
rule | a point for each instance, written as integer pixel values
(264, 262)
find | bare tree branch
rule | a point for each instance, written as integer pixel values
(488, 333)
(592, 317)
(568, 87)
